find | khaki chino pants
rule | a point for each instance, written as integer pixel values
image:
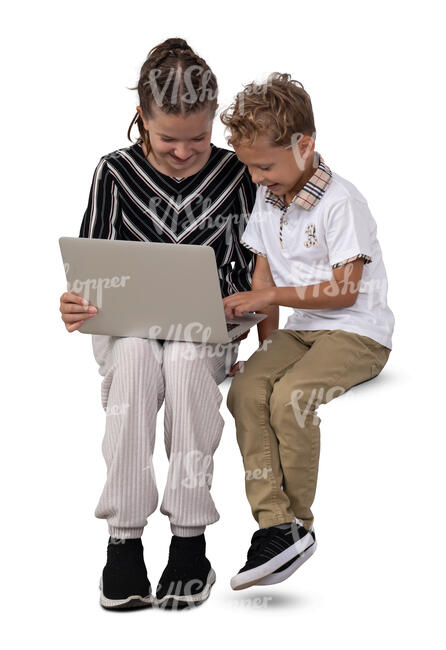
(274, 400)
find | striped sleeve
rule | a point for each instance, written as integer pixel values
(100, 220)
(253, 237)
(239, 275)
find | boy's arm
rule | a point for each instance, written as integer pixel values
(341, 291)
(262, 279)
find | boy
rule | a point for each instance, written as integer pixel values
(317, 252)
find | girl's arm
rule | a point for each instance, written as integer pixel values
(262, 279)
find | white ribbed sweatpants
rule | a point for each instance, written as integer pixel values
(138, 374)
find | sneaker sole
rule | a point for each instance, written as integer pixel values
(280, 576)
(172, 601)
(132, 602)
(252, 576)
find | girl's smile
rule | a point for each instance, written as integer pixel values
(181, 161)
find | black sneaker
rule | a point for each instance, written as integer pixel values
(188, 577)
(270, 549)
(284, 572)
(124, 583)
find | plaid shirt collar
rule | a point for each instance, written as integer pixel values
(310, 194)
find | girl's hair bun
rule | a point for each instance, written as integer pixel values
(177, 80)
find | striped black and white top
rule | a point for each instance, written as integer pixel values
(131, 200)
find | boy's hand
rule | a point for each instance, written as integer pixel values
(245, 301)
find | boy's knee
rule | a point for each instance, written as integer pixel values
(239, 391)
(299, 401)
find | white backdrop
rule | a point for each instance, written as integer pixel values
(375, 74)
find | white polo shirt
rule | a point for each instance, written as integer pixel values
(327, 224)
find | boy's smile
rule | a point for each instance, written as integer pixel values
(282, 170)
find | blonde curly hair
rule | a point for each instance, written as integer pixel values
(279, 108)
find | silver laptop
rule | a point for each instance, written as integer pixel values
(156, 291)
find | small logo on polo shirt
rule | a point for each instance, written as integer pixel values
(310, 231)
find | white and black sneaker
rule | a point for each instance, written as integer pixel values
(124, 583)
(188, 577)
(275, 548)
(284, 572)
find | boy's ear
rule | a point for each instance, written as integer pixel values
(302, 147)
(306, 145)
(306, 149)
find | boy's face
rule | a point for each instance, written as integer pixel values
(280, 169)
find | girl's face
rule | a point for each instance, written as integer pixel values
(179, 143)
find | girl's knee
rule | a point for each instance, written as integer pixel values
(134, 351)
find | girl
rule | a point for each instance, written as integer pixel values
(174, 186)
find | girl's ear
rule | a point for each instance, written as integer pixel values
(140, 113)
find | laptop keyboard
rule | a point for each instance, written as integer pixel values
(230, 326)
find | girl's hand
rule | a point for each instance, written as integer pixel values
(75, 310)
(237, 367)
(246, 301)
(241, 337)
